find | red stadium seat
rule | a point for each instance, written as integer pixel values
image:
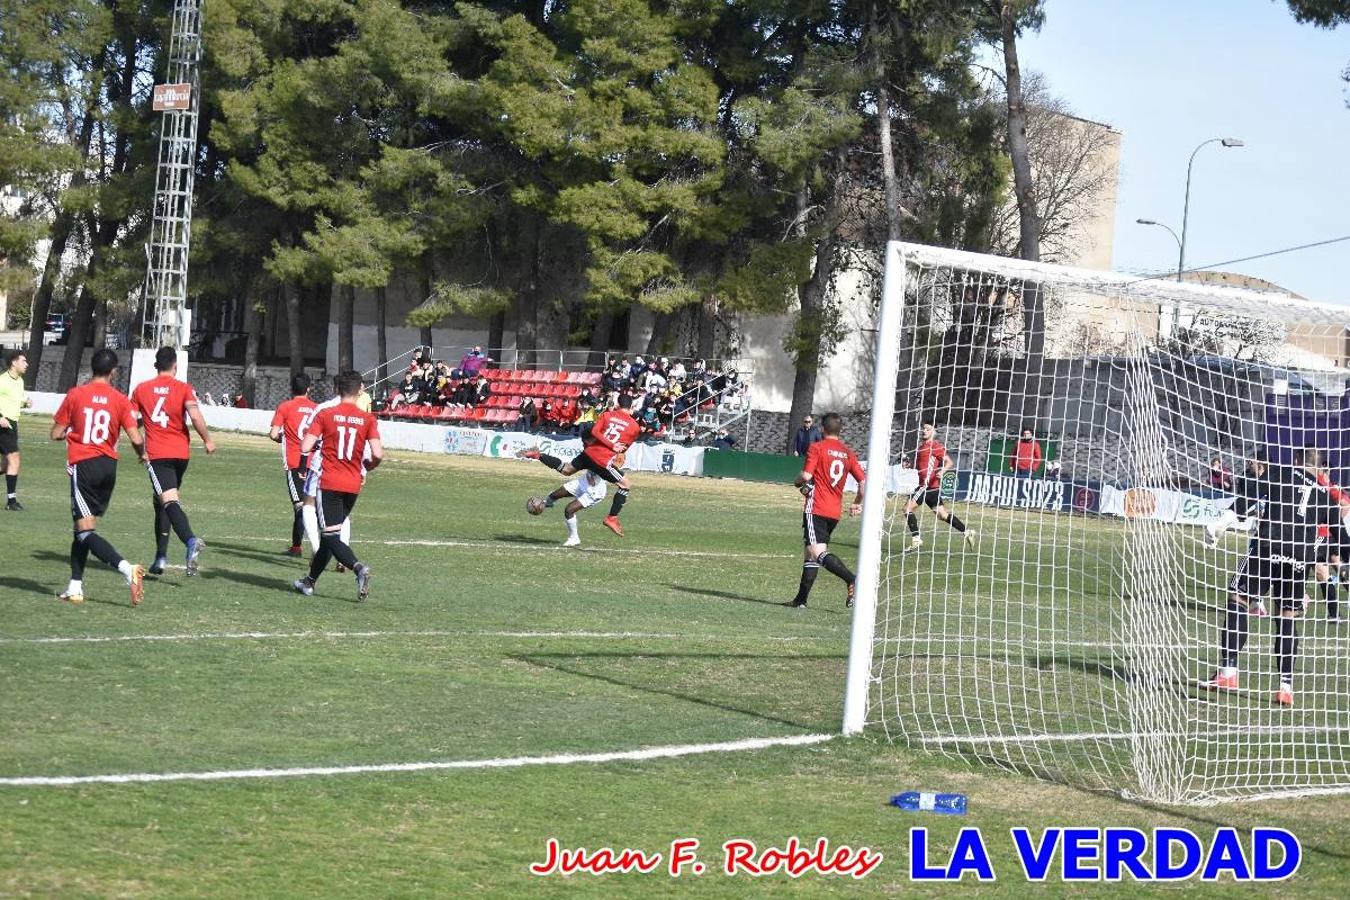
(562, 377)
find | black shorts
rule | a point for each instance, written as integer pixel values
(295, 483)
(583, 463)
(9, 439)
(1336, 546)
(333, 507)
(929, 497)
(91, 486)
(1284, 582)
(166, 474)
(817, 529)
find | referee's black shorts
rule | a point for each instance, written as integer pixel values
(9, 439)
(91, 486)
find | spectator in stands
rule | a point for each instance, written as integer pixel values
(805, 436)
(725, 440)
(548, 416)
(636, 368)
(677, 371)
(472, 363)
(241, 402)
(649, 423)
(409, 390)
(1026, 456)
(480, 391)
(690, 437)
(529, 415)
(1220, 476)
(665, 410)
(421, 356)
(653, 379)
(586, 416)
(700, 366)
(587, 398)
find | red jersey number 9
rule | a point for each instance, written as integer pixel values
(837, 473)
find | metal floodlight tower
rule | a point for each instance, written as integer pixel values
(171, 227)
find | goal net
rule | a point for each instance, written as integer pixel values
(1065, 606)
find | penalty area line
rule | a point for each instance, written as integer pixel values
(517, 546)
(358, 635)
(561, 759)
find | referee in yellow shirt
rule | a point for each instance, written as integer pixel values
(12, 401)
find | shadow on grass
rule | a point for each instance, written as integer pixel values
(557, 663)
(279, 583)
(526, 539)
(27, 585)
(727, 595)
(276, 559)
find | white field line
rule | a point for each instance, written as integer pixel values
(562, 759)
(1236, 730)
(516, 547)
(350, 635)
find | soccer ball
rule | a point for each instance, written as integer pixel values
(535, 506)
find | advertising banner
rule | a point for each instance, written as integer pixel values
(1162, 505)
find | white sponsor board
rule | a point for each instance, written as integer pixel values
(1162, 505)
(672, 458)
(899, 480)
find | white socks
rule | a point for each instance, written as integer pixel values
(309, 517)
(571, 527)
(126, 569)
(346, 532)
(75, 588)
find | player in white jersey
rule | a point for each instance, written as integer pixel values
(586, 490)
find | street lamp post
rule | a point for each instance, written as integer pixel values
(1186, 207)
(1176, 307)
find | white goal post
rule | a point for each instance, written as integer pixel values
(1091, 600)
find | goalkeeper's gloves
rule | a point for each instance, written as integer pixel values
(806, 489)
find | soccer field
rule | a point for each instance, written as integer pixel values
(483, 641)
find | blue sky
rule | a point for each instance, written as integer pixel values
(1169, 74)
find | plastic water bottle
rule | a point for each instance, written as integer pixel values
(927, 801)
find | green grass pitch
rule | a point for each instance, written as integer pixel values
(482, 639)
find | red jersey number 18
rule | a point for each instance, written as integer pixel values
(97, 425)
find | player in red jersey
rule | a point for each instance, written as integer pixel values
(288, 430)
(165, 406)
(345, 432)
(829, 462)
(611, 434)
(932, 463)
(89, 420)
(1335, 549)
